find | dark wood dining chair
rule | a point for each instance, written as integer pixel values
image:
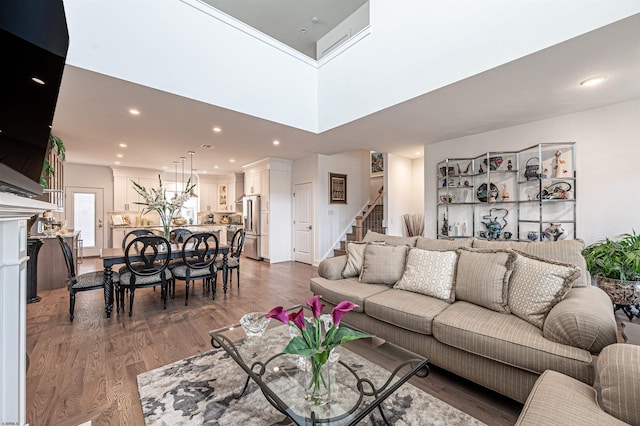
(151, 270)
(82, 282)
(233, 259)
(134, 234)
(199, 253)
(179, 235)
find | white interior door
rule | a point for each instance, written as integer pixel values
(303, 223)
(85, 213)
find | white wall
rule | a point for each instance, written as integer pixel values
(607, 164)
(157, 42)
(398, 193)
(333, 220)
(417, 46)
(417, 182)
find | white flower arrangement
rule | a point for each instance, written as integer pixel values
(156, 200)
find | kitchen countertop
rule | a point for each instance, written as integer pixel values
(183, 226)
(46, 237)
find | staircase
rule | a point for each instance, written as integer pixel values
(371, 219)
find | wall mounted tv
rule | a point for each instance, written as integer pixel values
(34, 40)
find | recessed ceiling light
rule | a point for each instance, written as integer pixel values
(37, 80)
(122, 145)
(134, 111)
(217, 129)
(119, 155)
(593, 81)
(204, 171)
(276, 142)
(165, 167)
(417, 152)
(116, 162)
(215, 167)
(232, 160)
(303, 31)
(206, 146)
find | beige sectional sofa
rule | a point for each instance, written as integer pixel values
(475, 330)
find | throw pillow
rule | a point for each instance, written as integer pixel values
(383, 264)
(431, 273)
(441, 244)
(536, 286)
(355, 257)
(482, 277)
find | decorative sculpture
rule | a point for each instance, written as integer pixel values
(495, 224)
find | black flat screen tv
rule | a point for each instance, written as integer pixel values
(34, 41)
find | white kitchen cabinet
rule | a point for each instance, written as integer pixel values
(120, 193)
(117, 235)
(272, 177)
(208, 194)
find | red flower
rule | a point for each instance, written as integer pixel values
(316, 306)
(298, 319)
(278, 313)
(339, 311)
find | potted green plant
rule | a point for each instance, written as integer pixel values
(615, 266)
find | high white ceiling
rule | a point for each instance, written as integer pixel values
(91, 114)
(290, 21)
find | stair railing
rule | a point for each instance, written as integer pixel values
(360, 219)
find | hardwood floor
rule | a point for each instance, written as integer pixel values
(86, 370)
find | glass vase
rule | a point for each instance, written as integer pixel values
(318, 382)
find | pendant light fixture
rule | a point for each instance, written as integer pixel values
(182, 159)
(192, 193)
(175, 193)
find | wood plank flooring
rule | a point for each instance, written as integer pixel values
(86, 370)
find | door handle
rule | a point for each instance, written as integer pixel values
(309, 228)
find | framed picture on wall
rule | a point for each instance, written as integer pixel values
(222, 197)
(337, 188)
(377, 164)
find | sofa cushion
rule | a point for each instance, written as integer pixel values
(482, 277)
(565, 251)
(431, 273)
(557, 399)
(405, 309)
(536, 285)
(355, 258)
(383, 264)
(583, 319)
(619, 372)
(335, 291)
(389, 239)
(508, 339)
(440, 244)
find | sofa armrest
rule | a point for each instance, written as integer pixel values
(557, 399)
(618, 368)
(584, 319)
(331, 267)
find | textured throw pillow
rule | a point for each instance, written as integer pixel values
(536, 285)
(441, 244)
(431, 273)
(482, 277)
(383, 264)
(355, 257)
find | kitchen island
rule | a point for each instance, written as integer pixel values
(119, 231)
(52, 269)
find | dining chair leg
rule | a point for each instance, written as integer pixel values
(72, 303)
(186, 297)
(238, 273)
(131, 293)
(164, 289)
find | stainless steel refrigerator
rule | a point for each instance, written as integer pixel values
(251, 212)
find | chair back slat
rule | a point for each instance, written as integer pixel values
(68, 258)
(237, 243)
(179, 235)
(149, 248)
(133, 234)
(194, 250)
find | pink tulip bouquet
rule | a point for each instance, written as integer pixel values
(311, 342)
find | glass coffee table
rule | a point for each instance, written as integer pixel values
(359, 383)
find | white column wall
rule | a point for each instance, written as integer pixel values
(607, 164)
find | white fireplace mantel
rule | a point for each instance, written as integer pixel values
(14, 212)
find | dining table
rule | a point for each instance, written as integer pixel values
(116, 256)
